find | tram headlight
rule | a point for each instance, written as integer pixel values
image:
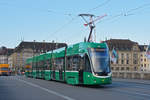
(96, 74)
(110, 74)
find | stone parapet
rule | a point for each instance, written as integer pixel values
(131, 75)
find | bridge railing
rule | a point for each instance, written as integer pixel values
(131, 75)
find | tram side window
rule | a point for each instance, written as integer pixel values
(69, 63)
(87, 64)
(53, 64)
(42, 65)
(37, 65)
(48, 64)
(59, 63)
(45, 63)
(73, 63)
(81, 64)
(34, 65)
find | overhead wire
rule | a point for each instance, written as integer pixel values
(124, 14)
(60, 13)
(65, 25)
(75, 17)
(100, 5)
(140, 7)
(116, 17)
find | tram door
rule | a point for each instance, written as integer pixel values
(60, 67)
(81, 70)
(53, 74)
(60, 75)
(53, 69)
(81, 76)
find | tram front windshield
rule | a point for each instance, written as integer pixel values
(100, 60)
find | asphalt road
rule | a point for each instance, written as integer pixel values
(22, 88)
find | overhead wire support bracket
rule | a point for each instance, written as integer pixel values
(90, 23)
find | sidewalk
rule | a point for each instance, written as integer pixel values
(138, 81)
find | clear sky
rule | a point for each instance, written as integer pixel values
(58, 20)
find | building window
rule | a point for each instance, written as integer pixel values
(145, 59)
(117, 61)
(141, 69)
(127, 61)
(135, 69)
(135, 55)
(117, 68)
(144, 65)
(134, 61)
(141, 65)
(127, 68)
(135, 58)
(127, 56)
(122, 68)
(111, 62)
(122, 61)
(141, 59)
(122, 56)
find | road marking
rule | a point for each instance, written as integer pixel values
(47, 90)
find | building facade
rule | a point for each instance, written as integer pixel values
(144, 61)
(128, 55)
(26, 50)
(4, 53)
(132, 62)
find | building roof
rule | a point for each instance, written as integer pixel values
(6, 51)
(36, 46)
(121, 44)
(3, 50)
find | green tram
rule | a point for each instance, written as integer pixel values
(82, 63)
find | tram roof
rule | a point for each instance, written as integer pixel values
(74, 49)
